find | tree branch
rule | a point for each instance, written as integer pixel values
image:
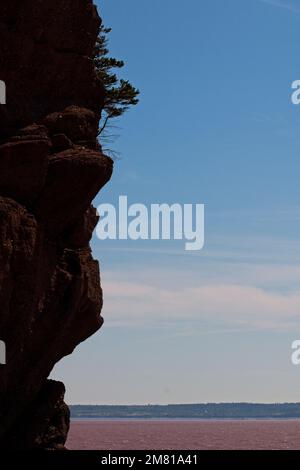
(104, 125)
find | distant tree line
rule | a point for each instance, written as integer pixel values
(203, 411)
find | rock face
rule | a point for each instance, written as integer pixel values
(51, 168)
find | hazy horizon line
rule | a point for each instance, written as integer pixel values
(192, 404)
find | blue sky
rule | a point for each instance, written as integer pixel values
(215, 125)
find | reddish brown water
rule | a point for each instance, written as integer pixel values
(184, 435)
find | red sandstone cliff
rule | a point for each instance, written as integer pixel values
(51, 168)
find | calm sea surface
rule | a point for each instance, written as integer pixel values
(184, 435)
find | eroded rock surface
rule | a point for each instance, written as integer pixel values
(51, 168)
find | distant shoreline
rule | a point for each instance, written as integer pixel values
(180, 419)
(209, 411)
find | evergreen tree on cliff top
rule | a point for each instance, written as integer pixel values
(119, 93)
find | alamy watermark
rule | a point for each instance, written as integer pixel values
(295, 97)
(295, 357)
(2, 353)
(2, 92)
(159, 222)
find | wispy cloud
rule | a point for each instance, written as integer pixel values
(230, 294)
(282, 4)
(229, 305)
